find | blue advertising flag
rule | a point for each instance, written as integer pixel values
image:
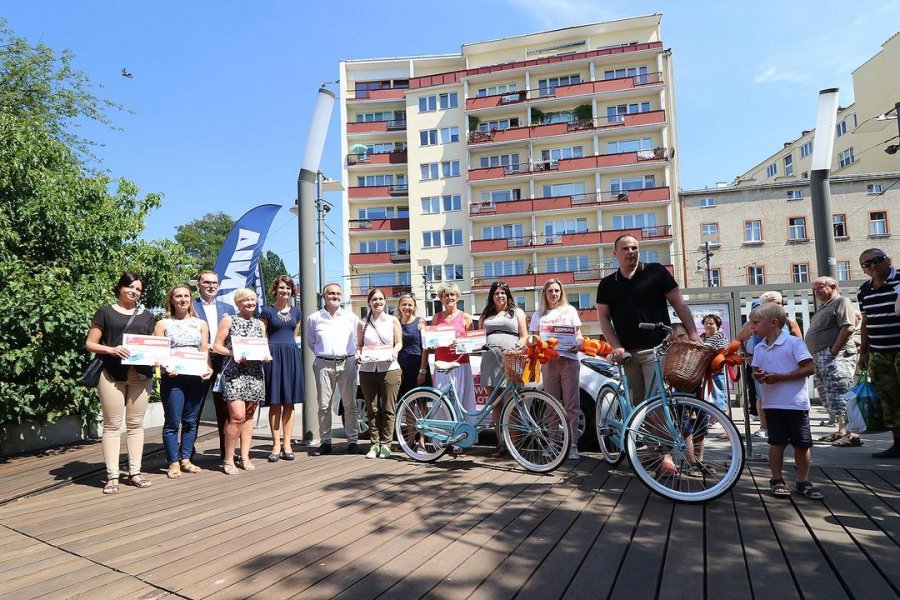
(239, 256)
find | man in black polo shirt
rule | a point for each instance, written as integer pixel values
(637, 293)
(880, 335)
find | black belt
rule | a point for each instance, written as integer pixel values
(503, 332)
(334, 358)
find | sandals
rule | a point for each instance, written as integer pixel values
(174, 471)
(247, 465)
(230, 469)
(111, 487)
(701, 469)
(189, 467)
(809, 490)
(138, 481)
(847, 441)
(832, 437)
(498, 452)
(779, 489)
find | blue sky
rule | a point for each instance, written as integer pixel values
(222, 91)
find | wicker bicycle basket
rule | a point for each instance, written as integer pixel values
(686, 364)
(514, 365)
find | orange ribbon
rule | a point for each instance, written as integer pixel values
(538, 353)
(728, 358)
(595, 347)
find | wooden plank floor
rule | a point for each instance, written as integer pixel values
(341, 526)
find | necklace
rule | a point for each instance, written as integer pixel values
(284, 314)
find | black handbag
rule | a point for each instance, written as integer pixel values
(91, 376)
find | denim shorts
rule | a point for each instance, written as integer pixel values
(787, 426)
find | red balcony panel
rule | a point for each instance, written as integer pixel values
(634, 119)
(491, 173)
(510, 135)
(370, 258)
(382, 94)
(389, 291)
(649, 195)
(379, 224)
(368, 191)
(367, 127)
(587, 315)
(577, 89)
(489, 245)
(539, 131)
(395, 157)
(572, 164)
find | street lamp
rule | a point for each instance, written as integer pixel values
(323, 207)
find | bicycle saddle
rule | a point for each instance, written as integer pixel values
(445, 366)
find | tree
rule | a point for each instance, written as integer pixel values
(272, 267)
(66, 234)
(202, 238)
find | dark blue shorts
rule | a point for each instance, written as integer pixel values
(788, 426)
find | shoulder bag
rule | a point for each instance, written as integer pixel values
(91, 376)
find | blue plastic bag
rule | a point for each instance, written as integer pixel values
(864, 395)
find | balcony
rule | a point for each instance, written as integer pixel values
(390, 291)
(377, 94)
(587, 88)
(379, 258)
(577, 202)
(379, 224)
(394, 157)
(568, 240)
(602, 161)
(377, 191)
(590, 276)
(376, 126)
(455, 76)
(514, 134)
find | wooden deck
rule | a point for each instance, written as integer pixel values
(345, 527)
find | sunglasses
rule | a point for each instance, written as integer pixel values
(875, 260)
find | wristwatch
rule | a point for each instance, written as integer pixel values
(423, 371)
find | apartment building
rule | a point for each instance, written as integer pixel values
(864, 130)
(518, 159)
(763, 234)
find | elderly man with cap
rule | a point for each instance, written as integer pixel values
(829, 338)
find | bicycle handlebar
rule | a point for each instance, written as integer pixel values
(655, 327)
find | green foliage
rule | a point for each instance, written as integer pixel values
(272, 267)
(583, 112)
(202, 238)
(66, 234)
(536, 116)
(473, 122)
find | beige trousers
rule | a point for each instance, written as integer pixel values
(126, 399)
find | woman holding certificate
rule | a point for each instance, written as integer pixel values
(124, 390)
(284, 375)
(558, 319)
(181, 387)
(379, 339)
(242, 339)
(504, 326)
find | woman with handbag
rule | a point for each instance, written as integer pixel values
(243, 382)
(182, 395)
(124, 391)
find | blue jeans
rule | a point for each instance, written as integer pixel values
(719, 394)
(182, 396)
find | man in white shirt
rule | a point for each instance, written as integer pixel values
(331, 335)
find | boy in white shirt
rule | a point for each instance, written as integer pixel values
(782, 364)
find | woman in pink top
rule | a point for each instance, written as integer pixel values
(449, 294)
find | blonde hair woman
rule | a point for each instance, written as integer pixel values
(243, 381)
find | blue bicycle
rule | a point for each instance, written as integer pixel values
(672, 439)
(533, 423)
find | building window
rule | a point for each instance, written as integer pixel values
(431, 205)
(845, 158)
(707, 202)
(840, 129)
(450, 168)
(752, 231)
(557, 190)
(800, 273)
(806, 149)
(632, 183)
(453, 272)
(639, 72)
(563, 264)
(772, 170)
(502, 232)
(797, 229)
(795, 195)
(501, 195)
(789, 165)
(579, 301)
(433, 273)
(878, 223)
(756, 275)
(843, 270)
(495, 90)
(383, 212)
(374, 246)
(547, 87)
(452, 203)
(629, 145)
(427, 104)
(453, 237)
(428, 137)
(431, 239)
(616, 114)
(510, 162)
(649, 256)
(554, 154)
(715, 278)
(449, 135)
(839, 222)
(498, 124)
(709, 232)
(874, 188)
(448, 100)
(636, 221)
(429, 171)
(379, 180)
(504, 268)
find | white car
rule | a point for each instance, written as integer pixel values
(595, 376)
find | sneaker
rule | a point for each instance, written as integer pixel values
(322, 450)
(573, 453)
(892, 452)
(373, 451)
(420, 448)
(385, 452)
(760, 433)
(353, 448)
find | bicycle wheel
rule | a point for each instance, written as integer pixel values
(425, 445)
(607, 409)
(534, 428)
(673, 453)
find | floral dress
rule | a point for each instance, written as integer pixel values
(243, 381)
